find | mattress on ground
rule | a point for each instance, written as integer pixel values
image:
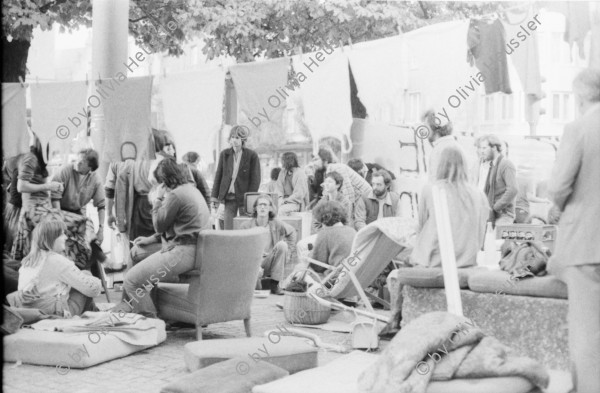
(290, 353)
(340, 376)
(72, 350)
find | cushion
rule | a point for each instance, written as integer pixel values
(237, 375)
(433, 277)
(340, 376)
(290, 353)
(72, 350)
(497, 281)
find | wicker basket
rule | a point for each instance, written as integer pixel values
(298, 307)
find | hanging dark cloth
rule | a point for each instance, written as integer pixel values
(486, 43)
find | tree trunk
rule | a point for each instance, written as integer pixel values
(14, 60)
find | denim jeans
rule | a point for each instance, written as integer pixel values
(231, 211)
(139, 253)
(163, 266)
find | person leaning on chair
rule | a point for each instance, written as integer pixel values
(179, 213)
(282, 241)
(238, 172)
(574, 188)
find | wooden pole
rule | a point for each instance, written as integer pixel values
(440, 204)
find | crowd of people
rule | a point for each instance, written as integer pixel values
(162, 205)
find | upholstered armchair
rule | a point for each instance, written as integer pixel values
(220, 288)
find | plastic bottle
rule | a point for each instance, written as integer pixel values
(491, 256)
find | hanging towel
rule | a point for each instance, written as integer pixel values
(524, 54)
(193, 108)
(486, 42)
(595, 39)
(257, 85)
(127, 118)
(58, 113)
(380, 75)
(577, 24)
(15, 137)
(325, 92)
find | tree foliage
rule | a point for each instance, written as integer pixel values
(244, 29)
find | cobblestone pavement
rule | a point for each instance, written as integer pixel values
(151, 369)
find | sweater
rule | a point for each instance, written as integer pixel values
(182, 212)
(333, 244)
(47, 285)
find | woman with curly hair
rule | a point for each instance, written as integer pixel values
(334, 241)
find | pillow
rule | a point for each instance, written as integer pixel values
(236, 375)
(500, 282)
(290, 353)
(433, 277)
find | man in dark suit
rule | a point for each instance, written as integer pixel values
(238, 172)
(496, 176)
(575, 189)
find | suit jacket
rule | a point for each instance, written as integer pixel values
(502, 189)
(575, 189)
(247, 180)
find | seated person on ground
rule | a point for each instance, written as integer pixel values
(49, 281)
(179, 213)
(334, 240)
(282, 241)
(332, 186)
(271, 186)
(331, 192)
(379, 203)
(468, 209)
(292, 186)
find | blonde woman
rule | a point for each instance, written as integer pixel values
(51, 282)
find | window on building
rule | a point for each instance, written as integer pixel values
(414, 106)
(508, 107)
(563, 106)
(488, 108)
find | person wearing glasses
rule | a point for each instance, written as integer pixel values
(282, 241)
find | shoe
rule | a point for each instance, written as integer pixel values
(275, 290)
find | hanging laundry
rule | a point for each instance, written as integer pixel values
(261, 90)
(380, 91)
(325, 88)
(58, 113)
(127, 119)
(595, 39)
(577, 24)
(523, 50)
(193, 109)
(486, 43)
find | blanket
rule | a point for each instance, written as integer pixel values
(130, 328)
(443, 346)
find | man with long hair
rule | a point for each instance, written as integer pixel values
(238, 172)
(179, 213)
(468, 211)
(292, 185)
(574, 188)
(279, 249)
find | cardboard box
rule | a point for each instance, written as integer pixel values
(528, 232)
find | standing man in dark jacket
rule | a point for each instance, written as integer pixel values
(496, 176)
(238, 172)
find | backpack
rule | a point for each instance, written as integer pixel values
(524, 259)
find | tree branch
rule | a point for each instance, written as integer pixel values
(425, 13)
(43, 9)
